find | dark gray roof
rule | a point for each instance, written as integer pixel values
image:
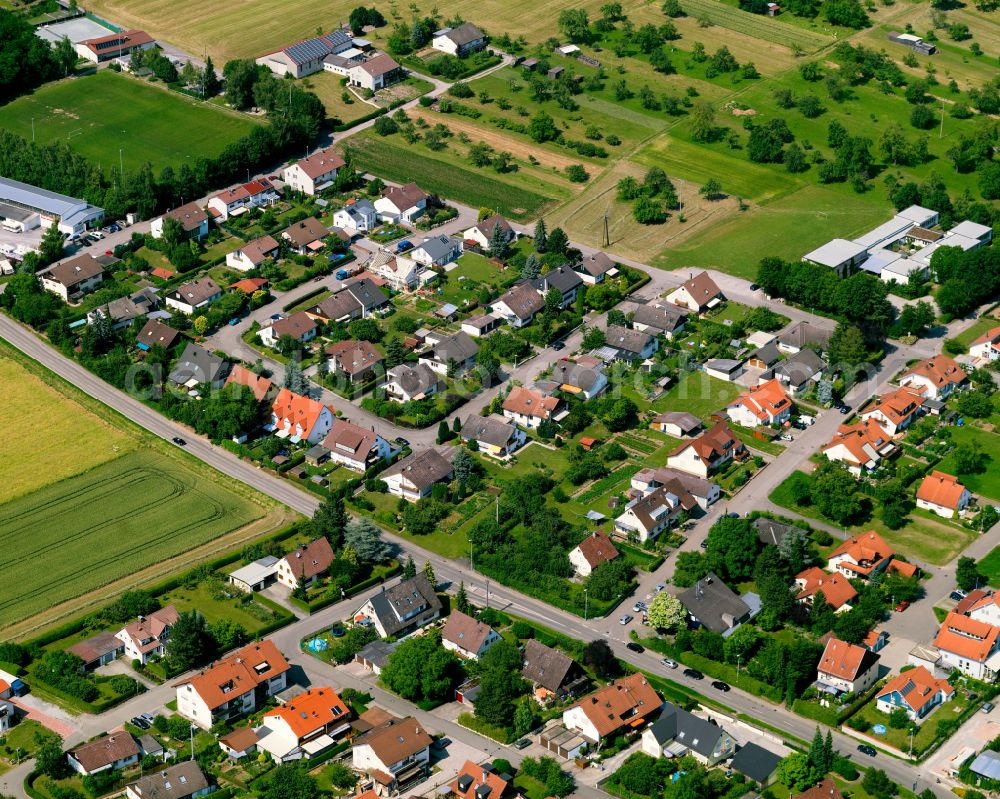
(714, 604)
(769, 354)
(800, 367)
(464, 34)
(367, 293)
(196, 291)
(564, 279)
(595, 265)
(198, 363)
(687, 422)
(771, 532)
(318, 47)
(522, 299)
(676, 724)
(393, 606)
(489, 429)
(798, 334)
(571, 373)
(174, 782)
(378, 652)
(423, 469)
(987, 764)
(621, 338)
(414, 379)
(756, 762)
(661, 317)
(438, 246)
(545, 666)
(459, 346)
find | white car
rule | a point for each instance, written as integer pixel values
(97, 234)
(625, 619)
(670, 664)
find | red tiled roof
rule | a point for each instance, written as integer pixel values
(845, 661)
(311, 711)
(765, 401)
(967, 638)
(917, 687)
(941, 489)
(597, 548)
(836, 588)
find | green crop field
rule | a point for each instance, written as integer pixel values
(99, 114)
(83, 532)
(755, 25)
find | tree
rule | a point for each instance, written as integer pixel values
(610, 580)
(967, 574)
(410, 569)
(49, 758)
(796, 772)
(428, 571)
(666, 612)
(541, 237)
(542, 128)
(364, 537)
(462, 604)
(847, 347)
(464, 465)
(702, 122)
(915, 319)
(290, 781)
(444, 432)
(531, 268)
(711, 189)
(599, 657)
(295, 381)
(574, 25)
(498, 242)
(500, 684)
(189, 644)
(969, 458)
(835, 493)
(648, 211)
(731, 548)
(795, 159)
(210, 84)
(877, 784)
(557, 242)
(50, 249)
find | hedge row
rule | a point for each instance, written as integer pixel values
(354, 590)
(304, 298)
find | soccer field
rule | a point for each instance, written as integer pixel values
(114, 520)
(100, 114)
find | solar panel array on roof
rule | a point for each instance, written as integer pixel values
(320, 47)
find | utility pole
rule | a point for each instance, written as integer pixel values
(121, 161)
(941, 132)
(586, 604)
(607, 237)
(191, 733)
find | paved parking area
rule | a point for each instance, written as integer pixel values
(970, 738)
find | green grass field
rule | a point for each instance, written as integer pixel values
(699, 394)
(988, 482)
(99, 114)
(990, 567)
(78, 534)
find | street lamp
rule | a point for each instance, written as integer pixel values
(586, 604)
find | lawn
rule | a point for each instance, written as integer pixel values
(697, 393)
(926, 731)
(988, 482)
(214, 606)
(103, 114)
(990, 567)
(974, 331)
(74, 441)
(81, 533)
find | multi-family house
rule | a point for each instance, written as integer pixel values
(648, 516)
(300, 418)
(147, 636)
(192, 218)
(861, 447)
(314, 173)
(467, 637)
(73, 277)
(934, 378)
(398, 748)
(355, 447)
(969, 645)
(237, 200)
(707, 453)
(530, 407)
(623, 704)
(896, 410)
(846, 668)
(400, 609)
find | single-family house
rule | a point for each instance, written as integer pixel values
(300, 418)
(493, 435)
(661, 319)
(624, 344)
(679, 424)
(355, 447)
(482, 232)
(799, 335)
(237, 200)
(916, 690)
(192, 218)
(300, 326)
(799, 372)
(413, 477)
(256, 384)
(518, 305)
(861, 447)
(757, 764)
(401, 609)
(253, 254)
(305, 726)
(306, 236)
(156, 334)
(355, 361)
(942, 494)
(530, 407)
(306, 57)
(358, 216)
(477, 782)
(459, 41)
(704, 491)
(896, 410)
(562, 279)
(98, 650)
(194, 295)
(969, 645)
(935, 378)
(595, 550)
(840, 255)
(405, 382)
(197, 366)
(764, 404)
(436, 250)
(846, 668)
(712, 604)
(402, 203)
(987, 346)
(73, 277)
(551, 672)
(357, 300)
(251, 285)
(981, 605)
(107, 753)
(707, 453)
(677, 733)
(582, 379)
(698, 294)
(618, 707)
(593, 269)
(399, 272)
(113, 45)
(647, 516)
(773, 533)
(860, 556)
(399, 748)
(147, 636)
(305, 564)
(183, 780)
(453, 355)
(836, 589)
(123, 311)
(375, 73)
(233, 686)
(469, 638)
(314, 173)
(824, 789)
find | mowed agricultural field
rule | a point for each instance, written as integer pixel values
(99, 114)
(254, 27)
(97, 505)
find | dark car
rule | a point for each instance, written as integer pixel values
(844, 409)
(141, 723)
(635, 647)
(180, 442)
(754, 287)
(441, 743)
(865, 749)
(558, 345)
(401, 441)
(719, 685)
(694, 674)
(524, 743)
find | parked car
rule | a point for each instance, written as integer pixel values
(404, 245)
(958, 596)
(625, 619)
(235, 320)
(275, 317)
(719, 685)
(558, 345)
(661, 587)
(865, 749)
(694, 674)
(180, 442)
(670, 664)
(754, 287)
(441, 743)
(401, 441)
(787, 437)
(902, 606)
(148, 717)
(342, 274)
(987, 707)
(844, 409)
(524, 743)
(140, 722)
(96, 234)
(638, 607)
(633, 646)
